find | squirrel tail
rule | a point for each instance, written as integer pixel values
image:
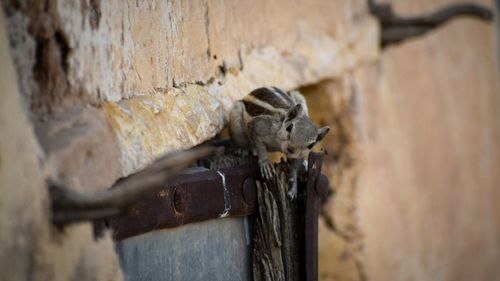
(223, 143)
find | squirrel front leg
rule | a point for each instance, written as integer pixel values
(266, 167)
(293, 164)
(260, 128)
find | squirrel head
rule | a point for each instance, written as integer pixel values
(300, 133)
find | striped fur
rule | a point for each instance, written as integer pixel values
(267, 101)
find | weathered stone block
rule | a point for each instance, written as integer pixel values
(31, 248)
(133, 57)
(428, 190)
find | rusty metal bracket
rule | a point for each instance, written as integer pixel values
(190, 197)
(316, 190)
(396, 29)
(200, 194)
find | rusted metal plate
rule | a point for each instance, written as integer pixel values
(200, 195)
(211, 250)
(317, 188)
(191, 197)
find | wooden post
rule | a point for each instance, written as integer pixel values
(283, 248)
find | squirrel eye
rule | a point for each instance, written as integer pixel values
(311, 145)
(289, 128)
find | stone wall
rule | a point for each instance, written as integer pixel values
(413, 158)
(31, 248)
(428, 189)
(101, 88)
(104, 87)
(165, 73)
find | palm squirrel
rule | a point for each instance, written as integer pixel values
(269, 120)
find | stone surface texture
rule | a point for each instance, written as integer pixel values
(166, 72)
(429, 117)
(31, 248)
(104, 87)
(413, 156)
(333, 103)
(95, 90)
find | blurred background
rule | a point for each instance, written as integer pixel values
(95, 90)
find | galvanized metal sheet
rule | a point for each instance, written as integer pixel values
(211, 250)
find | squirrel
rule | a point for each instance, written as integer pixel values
(269, 120)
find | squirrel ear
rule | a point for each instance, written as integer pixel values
(294, 112)
(322, 132)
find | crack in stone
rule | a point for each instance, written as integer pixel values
(207, 29)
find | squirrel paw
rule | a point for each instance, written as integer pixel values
(266, 169)
(292, 192)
